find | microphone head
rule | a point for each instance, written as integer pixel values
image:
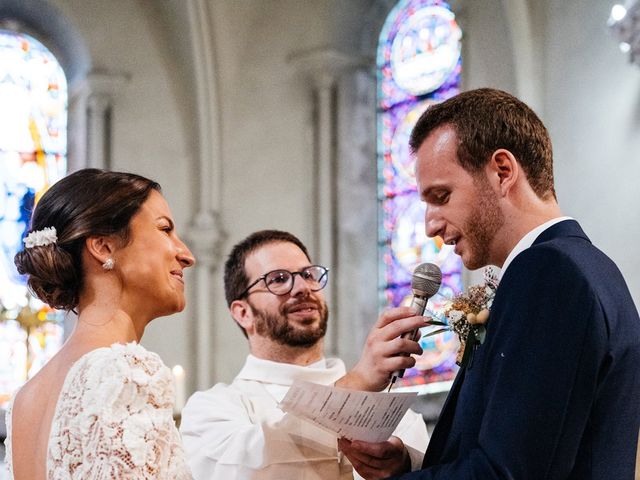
(426, 280)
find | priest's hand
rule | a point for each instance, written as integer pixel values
(374, 461)
(385, 351)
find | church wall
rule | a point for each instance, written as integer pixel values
(488, 56)
(592, 106)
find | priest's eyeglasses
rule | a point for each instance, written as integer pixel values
(280, 282)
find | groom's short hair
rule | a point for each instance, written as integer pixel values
(486, 120)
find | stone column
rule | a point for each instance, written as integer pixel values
(206, 233)
(205, 239)
(96, 105)
(77, 130)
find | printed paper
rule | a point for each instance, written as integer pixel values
(353, 414)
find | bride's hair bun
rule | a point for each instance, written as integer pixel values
(53, 277)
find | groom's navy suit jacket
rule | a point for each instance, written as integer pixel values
(554, 391)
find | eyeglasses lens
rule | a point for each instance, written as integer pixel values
(280, 282)
(315, 276)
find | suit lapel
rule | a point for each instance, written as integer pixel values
(442, 429)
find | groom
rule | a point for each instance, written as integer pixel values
(554, 391)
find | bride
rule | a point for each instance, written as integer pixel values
(104, 245)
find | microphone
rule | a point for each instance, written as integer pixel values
(425, 283)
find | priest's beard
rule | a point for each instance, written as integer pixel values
(277, 327)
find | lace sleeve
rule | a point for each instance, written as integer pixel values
(114, 419)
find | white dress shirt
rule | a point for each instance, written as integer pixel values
(238, 432)
(526, 241)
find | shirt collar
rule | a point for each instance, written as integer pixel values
(325, 371)
(526, 241)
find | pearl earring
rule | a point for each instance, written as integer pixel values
(108, 264)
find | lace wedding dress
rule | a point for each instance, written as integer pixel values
(113, 420)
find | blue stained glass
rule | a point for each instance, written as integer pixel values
(419, 65)
(33, 149)
(418, 53)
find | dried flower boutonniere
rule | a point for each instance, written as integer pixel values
(466, 315)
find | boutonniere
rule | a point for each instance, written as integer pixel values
(466, 314)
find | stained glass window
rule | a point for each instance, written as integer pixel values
(33, 149)
(419, 64)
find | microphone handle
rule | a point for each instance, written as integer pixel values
(419, 304)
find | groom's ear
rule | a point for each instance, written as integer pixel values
(503, 171)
